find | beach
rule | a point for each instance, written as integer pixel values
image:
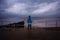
(33, 34)
(42, 29)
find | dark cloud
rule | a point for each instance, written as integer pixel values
(4, 4)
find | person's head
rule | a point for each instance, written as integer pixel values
(29, 16)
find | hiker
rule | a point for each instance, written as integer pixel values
(29, 21)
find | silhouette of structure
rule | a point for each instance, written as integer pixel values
(14, 25)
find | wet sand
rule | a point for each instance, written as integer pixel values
(25, 34)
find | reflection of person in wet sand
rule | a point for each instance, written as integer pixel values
(29, 21)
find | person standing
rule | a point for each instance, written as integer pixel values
(29, 21)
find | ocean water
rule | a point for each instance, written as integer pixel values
(45, 22)
(37, 22)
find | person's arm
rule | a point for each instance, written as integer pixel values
(30, 21)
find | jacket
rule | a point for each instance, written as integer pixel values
(29, 21)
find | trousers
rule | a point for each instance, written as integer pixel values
(29, 26)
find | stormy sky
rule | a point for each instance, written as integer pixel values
(22, 8)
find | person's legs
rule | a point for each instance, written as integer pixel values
(30, 26)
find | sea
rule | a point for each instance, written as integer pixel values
(36, 21)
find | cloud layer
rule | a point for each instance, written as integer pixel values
(45, 7)
(17, 8)
(21, 8)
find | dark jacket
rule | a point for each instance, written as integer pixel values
(29, 21)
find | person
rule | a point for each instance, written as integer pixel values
(29, 21)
